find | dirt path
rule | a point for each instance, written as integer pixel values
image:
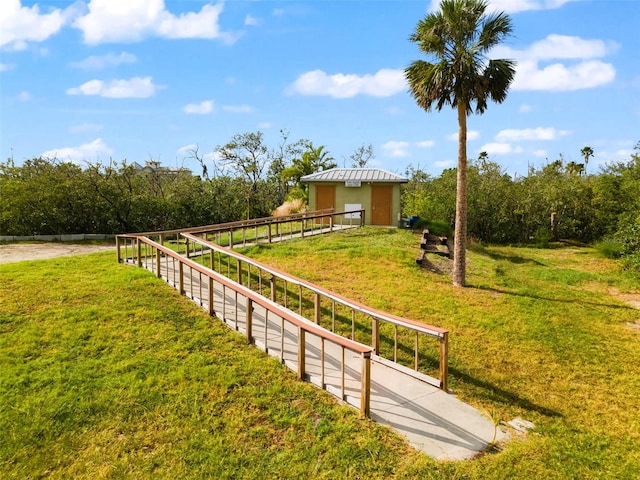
(17, 252)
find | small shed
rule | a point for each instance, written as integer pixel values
(372, 189)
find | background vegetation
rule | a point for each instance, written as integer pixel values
(602, 207)
(48, 196)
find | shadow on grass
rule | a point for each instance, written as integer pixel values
(496, 394)
(548, 299)
(517, 259)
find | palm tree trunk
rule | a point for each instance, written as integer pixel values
(460, 234)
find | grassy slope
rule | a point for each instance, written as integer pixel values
(537, 335)
(106, 372)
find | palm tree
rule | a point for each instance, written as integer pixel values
(458, 37)
(586, 153)
(312, 160)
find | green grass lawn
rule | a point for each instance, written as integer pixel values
(106, 372)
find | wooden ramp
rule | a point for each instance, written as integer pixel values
(431, 419)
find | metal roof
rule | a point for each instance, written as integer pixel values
(354, 174)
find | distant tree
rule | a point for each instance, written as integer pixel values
(586, 153)
(458, 36)
(282, 158)
(246, 155)
(361, 157)
(311, 161)
(574, 168)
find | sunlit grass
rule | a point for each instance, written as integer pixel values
(106, 372)
(109, 373)
(537, 335)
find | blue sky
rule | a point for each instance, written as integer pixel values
(151, 79)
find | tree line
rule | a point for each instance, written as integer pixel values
(602, 207)
(248, 179)
(244, 178)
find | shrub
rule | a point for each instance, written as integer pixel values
(610, 248)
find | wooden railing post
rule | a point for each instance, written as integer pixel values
(301, 352)
(231, 238)
(444, 360)
(249, 322)
(118, 254)
(158, 263)
(365, 385)
(269, 232)
(186, 247)
(316, 308)
(375, 335)
(239, 270)
(331, 223)
(181, 277)
(272, 285)
(212, 310)
(139, 251)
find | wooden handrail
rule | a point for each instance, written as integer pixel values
(430, 330)
(246, 223)
(300, 322)
(436, 332)
(259, 299)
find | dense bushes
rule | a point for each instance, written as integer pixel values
(46, 196)
(502, 209)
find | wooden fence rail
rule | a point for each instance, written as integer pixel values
(402, 334)
(267, 229)
(315, 353)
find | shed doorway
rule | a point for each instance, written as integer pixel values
(325, 198)
(381, 200)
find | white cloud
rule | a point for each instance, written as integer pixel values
(394, 110)
(384, 83)
(201, 108)
(425, 144)
(133, 20)
(85, 128)
(20, 25)
(187, 151)
(444, 163)
(539, 133)
(471, 135)
(558, 77)
(238, 108)
(252, 21)
(5, 67)
(24, 96)
(137, 87)
(104, 61)
(512, 6)
(563, 46)
(534, 70)
(395, 149)
(265, 125)
(278, 12)
(539, 153)
(84, 152)
(497, 148)
(525, 108)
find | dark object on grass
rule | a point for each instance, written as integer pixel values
(432, 244)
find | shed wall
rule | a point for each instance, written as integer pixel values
(358, 195)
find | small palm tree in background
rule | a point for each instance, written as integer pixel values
(586, 153)
(458, 37)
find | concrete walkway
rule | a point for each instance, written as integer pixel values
(432, 421)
